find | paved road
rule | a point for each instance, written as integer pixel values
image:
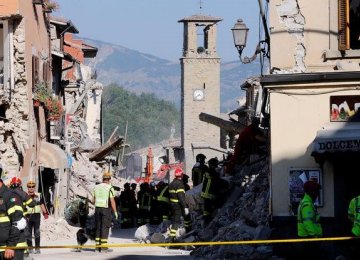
(118, 236)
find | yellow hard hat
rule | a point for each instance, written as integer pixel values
(106, 175)
(30, 183)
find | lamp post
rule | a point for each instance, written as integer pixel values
(240, 31)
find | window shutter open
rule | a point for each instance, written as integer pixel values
(344, 23)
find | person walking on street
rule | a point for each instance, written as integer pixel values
(308, 219)
(103, 194)
(12, 221)
(198, 170)
(33, 215)
(179, 208)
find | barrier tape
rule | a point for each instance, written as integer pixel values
(218, 243)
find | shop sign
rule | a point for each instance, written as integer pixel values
(344, 108)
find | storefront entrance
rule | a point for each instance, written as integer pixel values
(346, 187)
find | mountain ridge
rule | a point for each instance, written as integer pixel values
(145, 73)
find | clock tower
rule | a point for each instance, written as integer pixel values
(200, 88)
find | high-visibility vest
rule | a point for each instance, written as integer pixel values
(308, 220)
(161, 196)
(145, 201)
(36, 209)
(354, 215)
(102, 193)
(208, 188)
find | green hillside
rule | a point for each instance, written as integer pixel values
(149, 118)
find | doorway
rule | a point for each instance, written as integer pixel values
(347, 186)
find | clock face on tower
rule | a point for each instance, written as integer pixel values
(198, 95)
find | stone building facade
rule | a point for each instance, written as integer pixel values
(313, 95)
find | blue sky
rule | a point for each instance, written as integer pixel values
(151, 26)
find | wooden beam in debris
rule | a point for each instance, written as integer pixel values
(107, 148)
(224, 124)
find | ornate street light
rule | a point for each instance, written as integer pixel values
(240, 32)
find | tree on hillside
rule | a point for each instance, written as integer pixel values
(149, 118)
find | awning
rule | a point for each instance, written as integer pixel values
(52, 156)
(345, 139)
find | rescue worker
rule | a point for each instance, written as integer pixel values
(308, 220)
(33, 215)
(154, 216)
(179, 207)
(16, 185)
(163, 201)
(125, 200)
(12, 221)
(354, 217)
(133, 203)
(210, 190)
(103, 195)
(144, 200)
(187, 218)
(198, 170)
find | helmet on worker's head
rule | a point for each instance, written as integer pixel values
(200, 157)
(30, 184)
(106, 176)
(15, 182)
(213, 162)
(311, 187)
(160, 184)
(178, 172)
(152, 184)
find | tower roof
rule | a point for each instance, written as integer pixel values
(200, 18)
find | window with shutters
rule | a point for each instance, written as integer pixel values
(349, 21)
(35, 70)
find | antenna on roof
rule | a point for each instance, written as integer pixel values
(200, 3)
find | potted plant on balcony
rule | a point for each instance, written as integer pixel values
(41, 93)
(54, 109)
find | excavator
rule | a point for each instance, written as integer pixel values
(161, 174)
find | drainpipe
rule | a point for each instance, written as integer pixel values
(267, 35)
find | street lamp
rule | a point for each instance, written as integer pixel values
(240, 32)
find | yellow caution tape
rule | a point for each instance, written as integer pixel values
(218, 243)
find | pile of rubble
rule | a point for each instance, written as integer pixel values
(244, 216)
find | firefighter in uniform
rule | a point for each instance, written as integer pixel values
(133, 203)
(210, 190)
(125, 204)
(33, 215)
(103, 196)
(308, 220)
(179, 207)
(198, 170)
(187, 218)
(12, 222)
(16, 185)
(144, 200)
(163, 202)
